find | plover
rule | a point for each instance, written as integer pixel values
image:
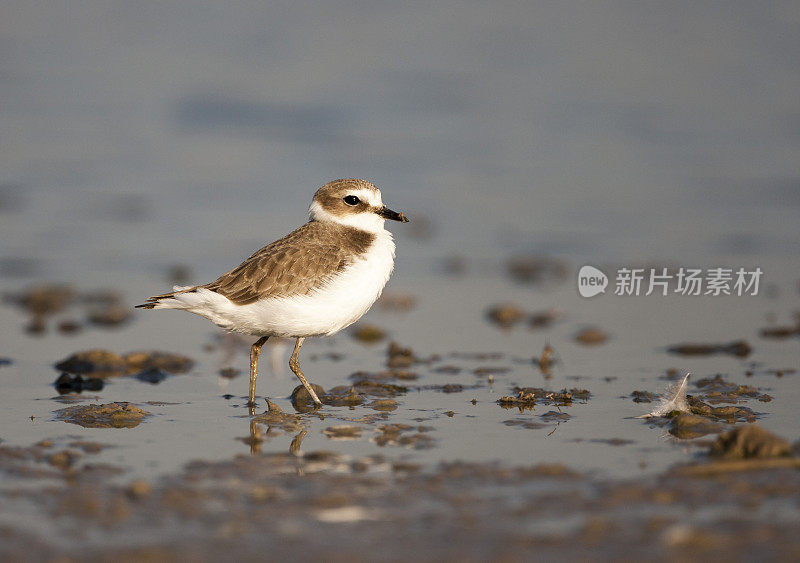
(315, 281)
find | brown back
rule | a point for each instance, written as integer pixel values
(296, 264)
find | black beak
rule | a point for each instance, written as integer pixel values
(387, 213)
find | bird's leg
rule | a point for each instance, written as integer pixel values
(255, 350)
(294, 365)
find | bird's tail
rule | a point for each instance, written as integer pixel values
(171, 300)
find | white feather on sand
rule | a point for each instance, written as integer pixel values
(672, 399)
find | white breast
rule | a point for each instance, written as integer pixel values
(338, 304)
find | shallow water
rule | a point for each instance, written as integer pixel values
(197, 421)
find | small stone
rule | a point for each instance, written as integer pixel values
(153, 376)
(590, 336)
(368, 334)
(505, 315)
(229, 373)
(300, 394)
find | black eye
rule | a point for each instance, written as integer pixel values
(351, 200)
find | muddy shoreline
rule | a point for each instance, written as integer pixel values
(324, 504)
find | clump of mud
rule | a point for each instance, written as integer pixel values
(691, 417)
(448, 388)
(687, 426)
(383, 405)
(368, 333)
(154, 359)
(644, 396)
(41, 302)
(781, 332)
(591, 336)
(738, 348)
(98, 363)
(111, 415)
(508, 315)
(343, 396)
(67, 383)
(532, 269)
(731, 413)
(50, 458)
(528, 397)
(101, 363)
(717, 390)
(46, 301)
(543, 319)
(750, 441)
(404, 435)
(748, 448)
(505, 315)
(399, 357)
(397, 302)
(377, 385)
(343, 432)
(274, 416)
(525, 423)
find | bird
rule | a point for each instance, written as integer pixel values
(315, 281)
